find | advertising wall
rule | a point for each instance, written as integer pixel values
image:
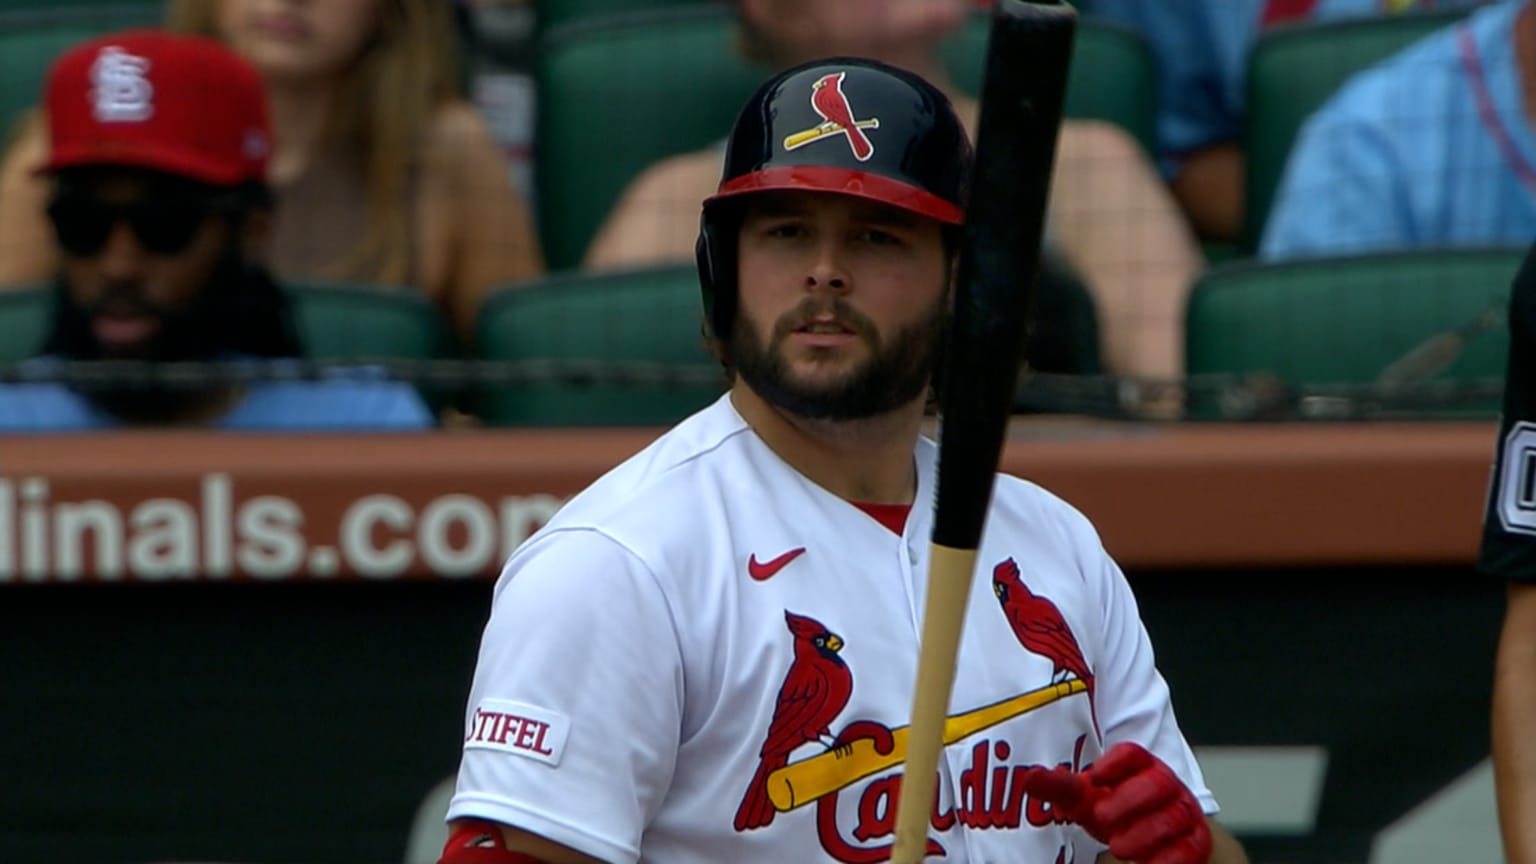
(257, 649)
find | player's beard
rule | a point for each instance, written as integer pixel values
(899, 369)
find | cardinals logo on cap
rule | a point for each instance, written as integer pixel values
(120, 90)
(829, 101)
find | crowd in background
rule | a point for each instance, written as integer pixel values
(403, 159)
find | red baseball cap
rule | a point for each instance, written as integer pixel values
(185, 105)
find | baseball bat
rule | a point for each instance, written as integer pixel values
(1029, 50)
(800, 139)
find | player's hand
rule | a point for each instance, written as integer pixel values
(1131, 801)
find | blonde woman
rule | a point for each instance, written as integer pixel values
(383, 174)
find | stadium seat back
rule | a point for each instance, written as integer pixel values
(366, 322)
(24, 314)
(1343, 321)
(336, 321)
(142, 8)
(553, 14)
(617, 94)
(1113, 75)
(636, 319)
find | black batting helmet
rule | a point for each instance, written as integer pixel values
(846, 125)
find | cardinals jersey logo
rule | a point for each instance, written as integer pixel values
(1041, 629)
(814, 692)
(829, 101)
(864, 757)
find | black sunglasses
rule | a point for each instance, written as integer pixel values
(162, 226)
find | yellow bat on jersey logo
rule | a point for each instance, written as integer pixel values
(800, 783)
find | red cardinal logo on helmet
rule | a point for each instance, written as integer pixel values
(828, 100)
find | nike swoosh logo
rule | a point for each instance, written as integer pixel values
(764, 570)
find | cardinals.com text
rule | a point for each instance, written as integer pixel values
(218, 533)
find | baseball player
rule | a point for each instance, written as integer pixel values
(1509, 552)
(709, 654)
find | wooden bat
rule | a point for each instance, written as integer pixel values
(1029, 50)
(800, 783)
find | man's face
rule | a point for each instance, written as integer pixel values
(138, 258)
(841, 304)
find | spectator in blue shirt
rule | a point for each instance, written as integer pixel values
(1201, 48)
(1433, 147)
(158, 155)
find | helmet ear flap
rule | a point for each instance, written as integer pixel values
(715, 255)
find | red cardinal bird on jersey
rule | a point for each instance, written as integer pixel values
(814, 692)
(1040, 628)
(828, 100)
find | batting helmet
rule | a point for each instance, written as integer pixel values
(851, 126)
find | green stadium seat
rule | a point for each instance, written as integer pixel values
(553, 14)
(352, 321)
(1293, 70)
(33, 33)
(638, 317)
(366, 322)
(616, 94)
(152, 8)
(1327, 322)
(23, 322)
(1113, 75)
(336, 321)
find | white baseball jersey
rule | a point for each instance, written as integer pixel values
(698, 659)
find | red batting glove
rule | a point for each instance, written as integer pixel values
(1131, 801)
